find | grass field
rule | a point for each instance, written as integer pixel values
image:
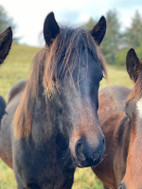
(18, 66)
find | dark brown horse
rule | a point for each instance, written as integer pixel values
(5, 44)
(56, 126)
(123, 132)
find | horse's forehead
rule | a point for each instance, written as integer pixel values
(139, 107)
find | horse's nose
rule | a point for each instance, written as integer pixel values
(89, 155)
(122, 186)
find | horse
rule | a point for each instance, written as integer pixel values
(5, 45)
(52, 126)
(120, 119)
(133, 175)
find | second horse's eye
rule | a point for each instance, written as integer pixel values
(102, 76)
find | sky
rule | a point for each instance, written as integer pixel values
(29, 15)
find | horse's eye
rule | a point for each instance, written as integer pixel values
(60, 110)
(102, 76)
(54, 79)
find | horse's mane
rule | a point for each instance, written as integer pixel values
(49, 66)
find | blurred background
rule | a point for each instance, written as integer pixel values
(124, 31)
(124, 21)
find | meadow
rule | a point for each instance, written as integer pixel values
(17, 66)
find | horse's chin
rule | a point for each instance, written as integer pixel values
(88, 163)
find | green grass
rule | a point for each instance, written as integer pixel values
(7, 180)
(17, 66)
(117, 76)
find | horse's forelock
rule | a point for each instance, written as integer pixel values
(47, 69)
(65, 55)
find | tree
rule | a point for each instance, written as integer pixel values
(6, 21)
(133, 34)
(111, 43)
(90, 24)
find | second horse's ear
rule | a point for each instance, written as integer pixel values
(99, 30)
(51, 29)
(5, 43)
(133, 65)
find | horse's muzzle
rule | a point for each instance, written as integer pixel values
(88, 155)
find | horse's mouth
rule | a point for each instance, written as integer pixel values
(88, 163)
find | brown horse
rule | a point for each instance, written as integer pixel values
(133, 175)
(123, 132)
(5, 45)
(56, 126)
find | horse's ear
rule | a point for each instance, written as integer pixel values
(51, 28)
(5, 43)
(133, 65)
(99, 30)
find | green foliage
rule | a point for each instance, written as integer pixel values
(139, 51)
(133, 34)
(111, 42)
(90, 24)
(117, 43)
(112, 38)
(121, 57)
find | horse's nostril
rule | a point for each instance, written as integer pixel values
(79, 150)
(122, 186)
(103, 141)
(89, 154)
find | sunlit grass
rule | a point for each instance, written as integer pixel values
(117, 76)
(86, 179)
(18, 66)
(7, 179)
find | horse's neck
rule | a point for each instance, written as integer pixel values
(134, 158)
(123, 137)
(136, 133)
(136, 127)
